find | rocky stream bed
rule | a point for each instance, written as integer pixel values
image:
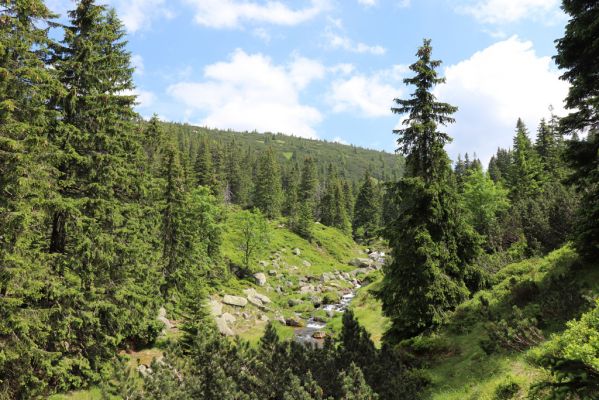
(306, 305)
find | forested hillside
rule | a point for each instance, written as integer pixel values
(353, 162)
(153, 260)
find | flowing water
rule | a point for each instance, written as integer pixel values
(305, 335)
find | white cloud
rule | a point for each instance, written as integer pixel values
(338, 40)
(249, 92)
(262, 34)
(135, 14)
(367, 3)
(494, 88)
(341, 69)
(370, 95)
(139, 14)
(232, 13)
(506, 11)
(145, 99)
(404, 3)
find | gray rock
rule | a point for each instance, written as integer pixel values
(263, 263)
(296, 251)
(306, 289)
(235, 301)
(144, 370)
(264, 299)
(294, 302)
(319, 319)
(228, 318)
(162, 318)
(361, 262)
(325, 277)
(216, 307)
(223, 327)
(319, 335)
(260, 278)
(281, 320)
(264, 318)
(272, 272)
(245, 315)
(306, 263)
(255, 301)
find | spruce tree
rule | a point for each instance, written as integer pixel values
(268, 194)
(104, 228)
(578, 55)
(332, 204)
(348, 195)
(204, 168)
(366, 223)
(154, 139)
(500, 165)
(303, 220)
(525, 174)
(291, 190)
(236, 175)
(354, 385)
(27, 191)
(431, 243)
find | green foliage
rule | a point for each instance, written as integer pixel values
(577, 53)
(204, 168)
(254, 232)
(573, 358)
(483, 201)
(517, 333)
(507, 390)
(432, 243)
(354, 385)
(27, 186)
(420, 141)
(332, 204)
(583, 157)
(525, 174)
(268, 195)
(188, 248)
(367, 215)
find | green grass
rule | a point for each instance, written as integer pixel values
(330, 250)
(91, 394)
(368, 312)
(466, 371)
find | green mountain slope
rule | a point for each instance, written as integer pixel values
(352, 161)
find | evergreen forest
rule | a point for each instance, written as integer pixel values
(148, 259)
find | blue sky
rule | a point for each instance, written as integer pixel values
(330, 69)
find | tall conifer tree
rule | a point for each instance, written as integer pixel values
(431, 243)
(366, 221)
(27, 190)
(578, 55)
(268, 194)
(104, 229)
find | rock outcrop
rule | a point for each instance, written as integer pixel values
(235, 301)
